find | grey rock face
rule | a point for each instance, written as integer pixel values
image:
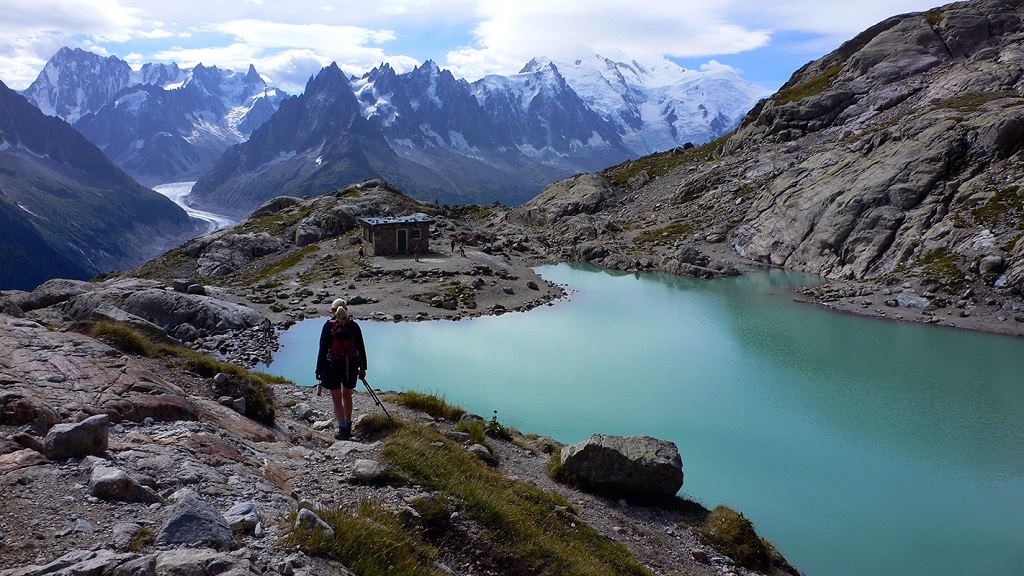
(634, 464)
(182, 562)
(194, 521)
(77, 439)
(925, 108)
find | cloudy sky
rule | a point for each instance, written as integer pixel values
(290, 40)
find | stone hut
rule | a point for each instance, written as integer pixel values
(396, 234)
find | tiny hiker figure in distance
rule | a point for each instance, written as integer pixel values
(340, 362)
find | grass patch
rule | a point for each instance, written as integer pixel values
(371, 542)
(275, 224)
(436, 406)
(282, 265)
(668, 233)
(940, 264)
(663, 162)
(477, 431)
(732, 534)
(973, 101)
(1007, 203)
(812, 87)
(1012, 244)
(329, 266)
(529, 524)
(471, 212)
(460, 290)
(375, 424)
(934, 16)
(254, 386)
(124, 338)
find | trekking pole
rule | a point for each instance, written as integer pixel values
(375, 399)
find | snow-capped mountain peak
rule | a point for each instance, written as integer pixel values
(191, 114)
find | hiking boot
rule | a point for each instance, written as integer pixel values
(343, 433)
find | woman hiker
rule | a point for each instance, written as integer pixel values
(340, 360)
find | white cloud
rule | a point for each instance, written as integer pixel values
(291, 40)
(510, 33)
(716, 66)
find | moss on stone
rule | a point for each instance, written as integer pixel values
(812, 87)
(666, 233)
(662, 163)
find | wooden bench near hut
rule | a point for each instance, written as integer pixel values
(396, 235)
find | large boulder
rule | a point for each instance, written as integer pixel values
(583, 194)
(195, 521)
(164, 308)
(171, 309)
(231, 251)
(76, 439)
(639, 465)
(54, 291)
(113, 484)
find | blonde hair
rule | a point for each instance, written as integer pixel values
(339, 309)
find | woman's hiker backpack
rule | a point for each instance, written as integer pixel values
(343, 342)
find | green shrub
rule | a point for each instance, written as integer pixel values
(144, 537)
(496, 429)
(732, 534)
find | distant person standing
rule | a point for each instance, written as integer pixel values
(340, 361)
(453, 244)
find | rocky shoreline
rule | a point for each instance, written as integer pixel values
(155, 475)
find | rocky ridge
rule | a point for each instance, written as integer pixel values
(891, 167)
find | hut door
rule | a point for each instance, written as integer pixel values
(403, 240)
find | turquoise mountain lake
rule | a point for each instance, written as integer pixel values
(858, 446)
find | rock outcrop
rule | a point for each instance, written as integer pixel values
(636, 465)
(168, 309)
(175, 494)
(896, 157)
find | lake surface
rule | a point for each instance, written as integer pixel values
(858, 446)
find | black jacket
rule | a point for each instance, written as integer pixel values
(326, 339)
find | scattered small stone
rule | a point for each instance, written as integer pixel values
(367, 470)
(309, 520)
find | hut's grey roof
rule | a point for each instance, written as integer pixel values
(413, 219)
